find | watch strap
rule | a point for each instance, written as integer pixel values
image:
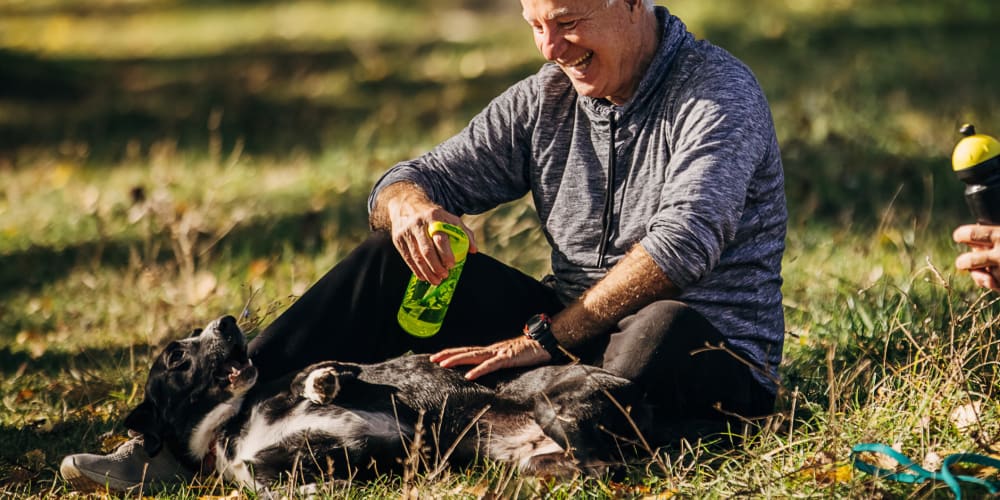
(538, 328)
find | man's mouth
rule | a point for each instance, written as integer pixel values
(580, 63)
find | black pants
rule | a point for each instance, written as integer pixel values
(350, 315)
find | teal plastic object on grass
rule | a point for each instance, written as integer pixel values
(909, 472)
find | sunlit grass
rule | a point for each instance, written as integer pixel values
(165, 162)
(172, 29)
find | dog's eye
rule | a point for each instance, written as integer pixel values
(174, 359)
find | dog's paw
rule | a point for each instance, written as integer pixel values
(553, 465)
(321, 385)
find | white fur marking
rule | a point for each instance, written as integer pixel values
(526, 442)
(258, 435)
(205, 432)
(318, 397)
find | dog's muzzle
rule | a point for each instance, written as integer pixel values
(236, 373)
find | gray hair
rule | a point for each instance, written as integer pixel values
(648, 4)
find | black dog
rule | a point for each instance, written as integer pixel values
(346, 420)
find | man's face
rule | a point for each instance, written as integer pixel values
(597, 46)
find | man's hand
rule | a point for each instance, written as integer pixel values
(516, 352)
(407, 212)
(983, 262)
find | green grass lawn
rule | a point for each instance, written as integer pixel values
(163, 162)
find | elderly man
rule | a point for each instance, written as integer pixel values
(652, 162)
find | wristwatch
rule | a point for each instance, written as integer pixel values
(538, 328)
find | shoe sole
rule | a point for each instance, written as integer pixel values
(81, 481)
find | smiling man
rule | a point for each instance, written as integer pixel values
(603, 53)
(653, 165)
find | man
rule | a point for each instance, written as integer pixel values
(653, 165)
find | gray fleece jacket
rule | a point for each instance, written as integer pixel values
(689, 168)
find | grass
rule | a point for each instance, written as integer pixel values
(166, 161)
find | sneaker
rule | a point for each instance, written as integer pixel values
(127, 469)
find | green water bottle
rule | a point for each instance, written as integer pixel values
(424, 304)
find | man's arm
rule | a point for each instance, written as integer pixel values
(405, 210)
(634, 282)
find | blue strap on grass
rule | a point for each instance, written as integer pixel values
(909, 472)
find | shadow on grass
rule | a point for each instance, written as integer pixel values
(278, 99)
(63, 403)
(55, 363)
(124, 8)
(262, 236)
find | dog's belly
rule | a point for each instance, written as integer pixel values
(516, 439)
(269, 445)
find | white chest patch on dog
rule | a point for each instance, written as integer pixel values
(207, 430)
(350, 427)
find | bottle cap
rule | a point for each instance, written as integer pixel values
(974, 149)
(458, 239)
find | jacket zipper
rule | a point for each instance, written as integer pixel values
(609, 196)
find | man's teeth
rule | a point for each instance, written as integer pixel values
(582, 58)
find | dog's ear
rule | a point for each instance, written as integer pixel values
(196, 332)
(145, 420)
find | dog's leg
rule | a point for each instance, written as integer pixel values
(322, 382)
(319, 383)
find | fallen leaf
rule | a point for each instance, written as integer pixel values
(111, 441)
(824, 469)
(257, 269)
(25, 395)
(966, 415)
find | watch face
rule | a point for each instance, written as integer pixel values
(537, 322)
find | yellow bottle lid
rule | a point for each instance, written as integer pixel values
(974, 149)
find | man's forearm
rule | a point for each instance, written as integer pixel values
(633, 283)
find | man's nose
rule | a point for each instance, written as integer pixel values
(552, 44)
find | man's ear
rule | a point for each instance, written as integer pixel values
(145, 420)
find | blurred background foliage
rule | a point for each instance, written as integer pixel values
(165, 161)
(867, 94)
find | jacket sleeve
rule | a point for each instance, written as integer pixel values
(484, 165)
(721, 133)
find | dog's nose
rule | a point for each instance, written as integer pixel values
(227, 326)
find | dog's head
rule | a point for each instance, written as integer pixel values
(188, 379)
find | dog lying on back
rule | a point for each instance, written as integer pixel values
(347, 420)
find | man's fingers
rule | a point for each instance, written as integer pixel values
(977, 235)
(473, 357)
(449, 352)
(421, 254)
(472, 237)
(489, 366)
(977, 260)
(984, 279)
(442, 245)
